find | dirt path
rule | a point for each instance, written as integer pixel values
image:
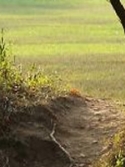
(84, 129)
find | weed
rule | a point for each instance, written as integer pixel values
(120, 159)
(74, 92)
(22, 90)
(115, 157)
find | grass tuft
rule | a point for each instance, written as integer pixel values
(19, 90)
(115, 157)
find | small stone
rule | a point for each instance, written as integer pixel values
(94, 142)
(82, 155)
(96, 109)
(82, 165)
(97, 114)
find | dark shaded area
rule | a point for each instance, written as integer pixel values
(120, 11)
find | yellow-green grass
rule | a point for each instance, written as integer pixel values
(80, 39)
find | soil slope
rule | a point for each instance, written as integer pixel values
(68, 131)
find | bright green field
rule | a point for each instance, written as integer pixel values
(80, 39)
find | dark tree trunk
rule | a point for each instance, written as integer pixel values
(120, 11)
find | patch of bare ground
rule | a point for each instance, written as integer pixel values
(67, 132)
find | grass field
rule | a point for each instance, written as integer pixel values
(80, 39)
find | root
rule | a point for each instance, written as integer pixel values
(60, 146)
(4, 160)
(6, 163)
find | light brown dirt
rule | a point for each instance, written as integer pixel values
(84, 129)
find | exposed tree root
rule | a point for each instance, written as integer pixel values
(67, 154)
(4, 160)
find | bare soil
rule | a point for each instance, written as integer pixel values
(65, 132)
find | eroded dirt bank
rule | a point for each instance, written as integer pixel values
(68, 131)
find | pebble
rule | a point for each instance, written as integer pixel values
(82, 155)
(94, 142)
(82, 165)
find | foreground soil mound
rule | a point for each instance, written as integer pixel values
(67, 131)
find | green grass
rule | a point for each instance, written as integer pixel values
(81, 40)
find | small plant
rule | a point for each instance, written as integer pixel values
(74, 92)
(19, 89)
(115, 157)
(120, 160)
(3, 47)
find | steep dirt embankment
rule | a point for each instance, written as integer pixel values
(68, 131)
